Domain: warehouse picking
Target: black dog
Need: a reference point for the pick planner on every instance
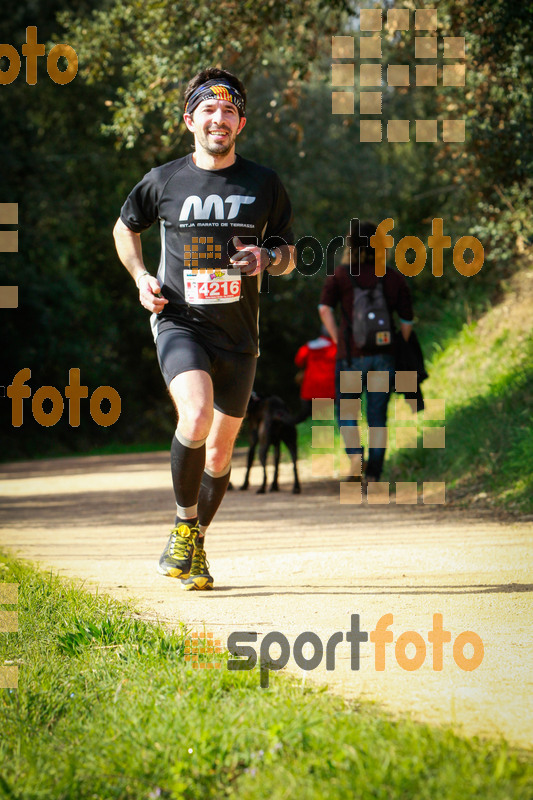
(270, 423)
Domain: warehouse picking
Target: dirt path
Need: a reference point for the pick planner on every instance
(303, 563)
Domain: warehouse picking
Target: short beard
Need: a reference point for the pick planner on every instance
(213, 149)
(217, 152)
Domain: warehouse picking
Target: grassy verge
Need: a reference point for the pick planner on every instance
(107, 707)
(483, 369)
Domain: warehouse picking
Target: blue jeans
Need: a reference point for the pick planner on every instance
(377, 402)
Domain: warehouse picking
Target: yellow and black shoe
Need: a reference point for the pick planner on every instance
(199, 577)
(177, 556)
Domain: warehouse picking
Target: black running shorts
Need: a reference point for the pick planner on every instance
(180, 350)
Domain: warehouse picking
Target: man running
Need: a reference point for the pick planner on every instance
(223, 221)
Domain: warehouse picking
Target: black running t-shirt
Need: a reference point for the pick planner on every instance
(200, 211)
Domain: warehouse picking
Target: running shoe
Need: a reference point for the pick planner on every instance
(199, 577)
(177, 556)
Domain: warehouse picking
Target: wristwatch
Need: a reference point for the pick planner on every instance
(273, 256)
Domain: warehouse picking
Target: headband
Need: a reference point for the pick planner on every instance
(219, 90)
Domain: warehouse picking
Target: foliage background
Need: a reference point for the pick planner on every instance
(70, 154)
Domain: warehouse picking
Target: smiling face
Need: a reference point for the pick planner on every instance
(215, 124)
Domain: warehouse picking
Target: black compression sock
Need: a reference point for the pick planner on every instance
(212, 491)
(187, 461)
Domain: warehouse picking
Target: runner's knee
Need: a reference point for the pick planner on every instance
(195, 423)
(218, 457)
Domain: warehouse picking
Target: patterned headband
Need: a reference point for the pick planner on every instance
(219, 90)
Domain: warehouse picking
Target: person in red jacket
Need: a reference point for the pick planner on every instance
(317, 360)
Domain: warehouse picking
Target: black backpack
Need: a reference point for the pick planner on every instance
(370, 326)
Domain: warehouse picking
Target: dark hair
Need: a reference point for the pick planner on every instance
(367, 229)
(213, 73)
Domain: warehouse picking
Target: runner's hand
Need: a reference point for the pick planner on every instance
(150, 294)
(250, 259)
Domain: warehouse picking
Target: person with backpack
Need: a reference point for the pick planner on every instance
(365, 344)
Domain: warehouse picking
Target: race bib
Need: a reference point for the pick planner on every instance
(203, 287)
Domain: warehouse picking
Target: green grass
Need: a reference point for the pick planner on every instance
(107, 707)
(483, 369)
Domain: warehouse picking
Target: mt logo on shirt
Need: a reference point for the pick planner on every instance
(202, 210)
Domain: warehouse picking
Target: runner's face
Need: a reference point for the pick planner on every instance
(215, 124)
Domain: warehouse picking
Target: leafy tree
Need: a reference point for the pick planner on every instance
(74, 309)
(155, 46)
(487, 181)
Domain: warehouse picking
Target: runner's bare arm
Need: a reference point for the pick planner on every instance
(129, 249)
